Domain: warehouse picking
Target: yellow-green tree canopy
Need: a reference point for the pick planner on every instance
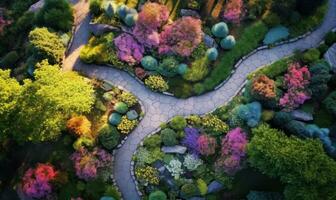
(44, 105)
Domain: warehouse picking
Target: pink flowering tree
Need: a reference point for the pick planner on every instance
(233, 151)
(233, 11)
(129, 50)
(296, 82)
(181, 37)
(36, 183)
(87, 164)
(151, 17)
(206, 145)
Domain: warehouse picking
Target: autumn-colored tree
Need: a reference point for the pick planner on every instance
(263, 87)
(79, 126)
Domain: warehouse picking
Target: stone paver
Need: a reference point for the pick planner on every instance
(160, 108)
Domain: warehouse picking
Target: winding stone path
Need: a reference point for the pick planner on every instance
(160, 108)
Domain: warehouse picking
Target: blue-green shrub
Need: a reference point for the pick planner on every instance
(149, 63)
(220, 30)
(168, 137)
(130, 19)
(157, 195)
(182, 69)
(132, 115)
(248, 114)
(212, 54)
(228, 43)
(122, 11)
(109, 9)
(276, 34)
(108, 137)
(121, 107)
(115, 119)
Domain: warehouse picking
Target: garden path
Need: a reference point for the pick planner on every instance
(160, 108)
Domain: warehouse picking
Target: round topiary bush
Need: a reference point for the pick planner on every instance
(168, 137)
(115, 119)
(131, 19)
(122, 11)
(149, 63)
(182, 69)
(178, 123)
(157, 195)
(220, 30)
(212, 54)
(108, 137)
(132, 115)
(228, 43)
(121, 107)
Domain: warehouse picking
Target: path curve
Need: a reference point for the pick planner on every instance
(160, 108)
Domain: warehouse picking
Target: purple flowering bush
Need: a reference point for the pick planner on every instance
(88, 163)
(129, 50)
(190, 140)
(233, 151)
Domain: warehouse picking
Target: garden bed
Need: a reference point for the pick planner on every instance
(197, 69)
(276, 129)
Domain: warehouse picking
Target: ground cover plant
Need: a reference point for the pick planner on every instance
(190, 47)
(280, 130)
(64, 148)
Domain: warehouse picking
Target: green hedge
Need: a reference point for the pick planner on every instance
(248, 41)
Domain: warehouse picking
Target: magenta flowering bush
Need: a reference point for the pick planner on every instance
(233, 11)
(296, 81)
(87, 164)
(36, 183)
(150, 19)
(233, 151)
(129, 50)
(206, 145)
(190, 140)
(181, 37)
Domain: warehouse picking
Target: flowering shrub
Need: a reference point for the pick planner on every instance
(190, 140)
(214, 125)
(233, 10)
(36, 182)
(263, 87)
(87, 164)
(191, 162)
(206, 145)
(181, 37)
(175, 168)
(151, 17)
(129, 50)
(126, 125)
(148, 175)
(157, 83)
(296, 81)
(233, 150)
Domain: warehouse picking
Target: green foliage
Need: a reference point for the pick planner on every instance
(320, 77)
(152, 142)
(202, 186)
(56, 14)
(149, 63)
(198, 70)
(311, 55)
(95, 7)
(188, 190)
(330, 38)
(9, 60)
(298, 163)
(220, 30)
(108, 136)
(46, 45)
(121, 107)
(199, 52)
(247, 42)
(228, 42)
(9, 94)
(156, 83)
(113, 192)
(330, 103)
(168, 137)
(85, 142)
(178, 123)
(128, 98)
(157, 195)
(44, 105)
(198, 88)
(144, 156)
(168, 67)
